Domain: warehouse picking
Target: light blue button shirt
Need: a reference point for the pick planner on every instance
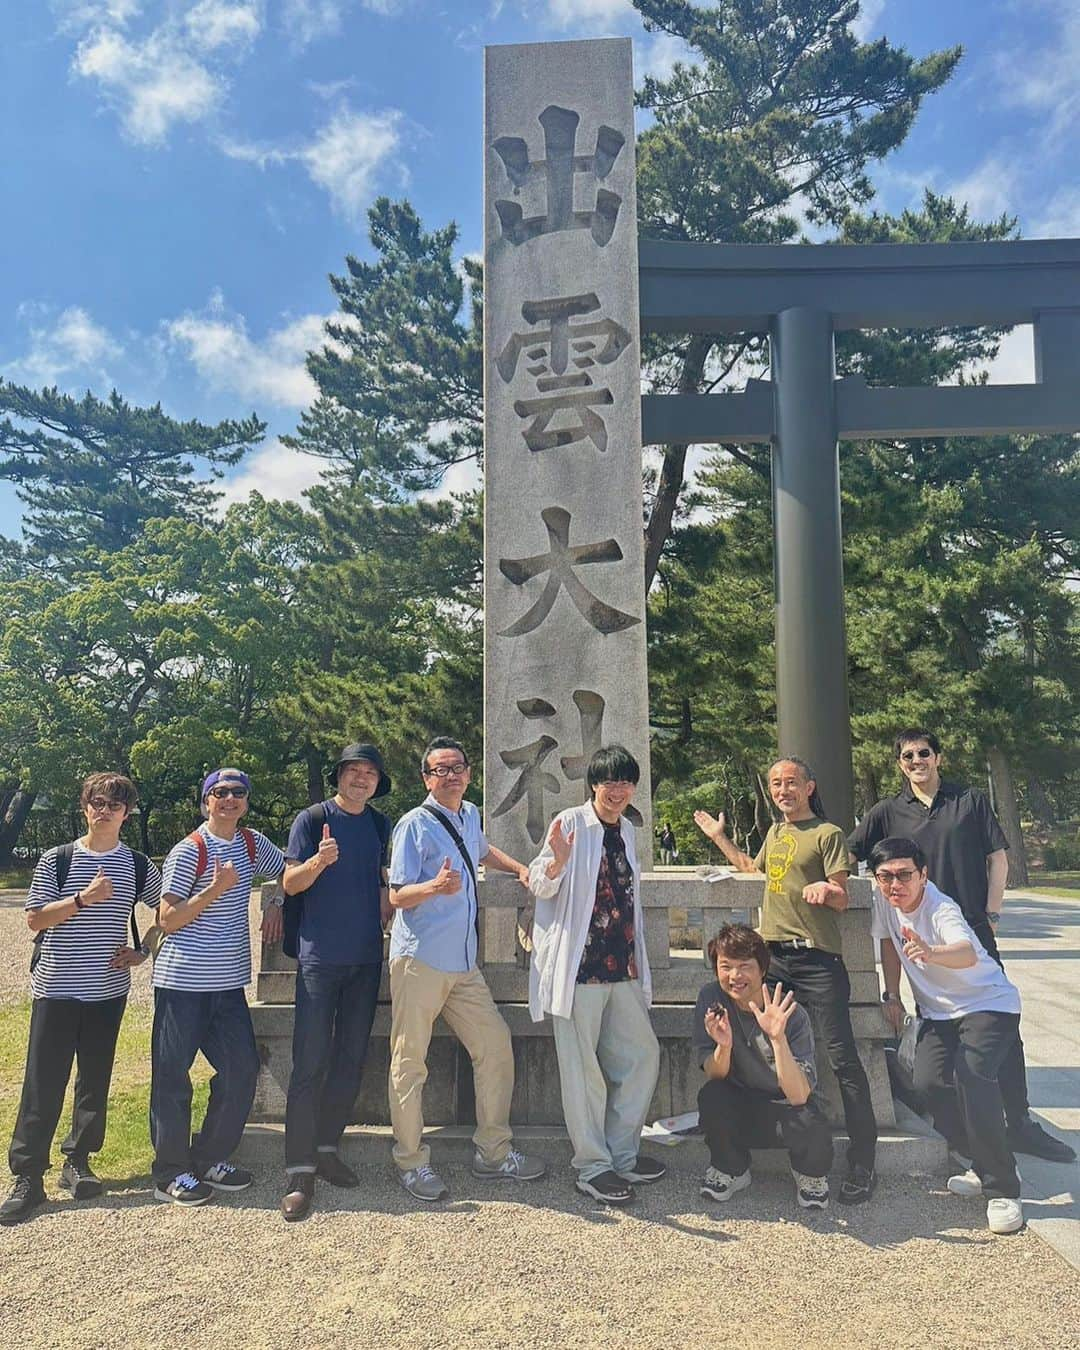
(440, 931)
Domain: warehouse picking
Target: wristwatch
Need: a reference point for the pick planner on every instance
(890, 998)
(992, 918)
(77, 897)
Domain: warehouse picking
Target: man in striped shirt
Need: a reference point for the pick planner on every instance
(199, 1003)
(79, 986)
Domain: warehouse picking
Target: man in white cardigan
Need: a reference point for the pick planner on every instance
(590, 971)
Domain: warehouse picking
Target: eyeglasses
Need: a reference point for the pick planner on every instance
(445, 770)
(105, 804)
(909, 755)
(617, 784)
(220, 792)
(903, 876)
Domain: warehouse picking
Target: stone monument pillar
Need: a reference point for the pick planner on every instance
(564, 593)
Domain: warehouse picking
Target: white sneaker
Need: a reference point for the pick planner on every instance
(717, 1185)
(970, 1183)
(1004, 1215)
(424, 1183)
(813, 1192)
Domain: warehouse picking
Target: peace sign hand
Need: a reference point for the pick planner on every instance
(775, 1011)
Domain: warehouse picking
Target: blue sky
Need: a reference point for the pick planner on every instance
(182, 175)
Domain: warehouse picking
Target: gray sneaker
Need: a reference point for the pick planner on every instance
(424, 1183)
(514, 1167)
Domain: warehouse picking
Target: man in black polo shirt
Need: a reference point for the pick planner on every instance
(965, 851)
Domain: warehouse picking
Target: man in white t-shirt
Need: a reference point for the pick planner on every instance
(971, 1016)
(199, 976)
(79, 908)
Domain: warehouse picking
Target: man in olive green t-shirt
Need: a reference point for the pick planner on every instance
(805, 862)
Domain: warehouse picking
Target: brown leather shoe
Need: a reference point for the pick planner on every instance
(296, 1204)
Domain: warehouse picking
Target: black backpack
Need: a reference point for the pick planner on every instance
(294, 904)
(64, 855)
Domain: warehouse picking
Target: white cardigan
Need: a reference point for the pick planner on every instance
(564, 908)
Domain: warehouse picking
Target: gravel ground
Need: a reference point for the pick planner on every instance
(534, 1266)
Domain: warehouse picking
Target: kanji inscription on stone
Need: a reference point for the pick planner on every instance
(559, 167)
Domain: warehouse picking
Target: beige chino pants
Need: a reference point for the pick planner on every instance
(420, 993)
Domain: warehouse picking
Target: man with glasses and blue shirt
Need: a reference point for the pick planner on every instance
(433, 952)
(200, 973)
(966, 857)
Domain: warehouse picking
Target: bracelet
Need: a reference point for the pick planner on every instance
(77, 897)
(992, 919)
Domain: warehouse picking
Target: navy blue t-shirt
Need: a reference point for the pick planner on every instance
(339, 922)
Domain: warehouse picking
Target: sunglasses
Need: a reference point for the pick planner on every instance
(105, 804)
(903, 876)
(909, 755)
(220, 792)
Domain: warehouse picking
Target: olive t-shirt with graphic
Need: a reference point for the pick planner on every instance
(794, 855)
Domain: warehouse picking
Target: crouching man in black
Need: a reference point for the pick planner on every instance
(756, 1046)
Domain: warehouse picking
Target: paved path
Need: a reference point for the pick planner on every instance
(1039, 940)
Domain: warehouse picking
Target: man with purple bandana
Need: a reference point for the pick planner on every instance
(200, 972)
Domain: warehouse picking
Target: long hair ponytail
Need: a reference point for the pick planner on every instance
(816, 804)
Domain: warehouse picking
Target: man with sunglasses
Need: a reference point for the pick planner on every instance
(79, 985)
(971, 1016)
(966, 857)
(433, 952)
(200, 973)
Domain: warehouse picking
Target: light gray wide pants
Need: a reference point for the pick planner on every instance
(609, 1060)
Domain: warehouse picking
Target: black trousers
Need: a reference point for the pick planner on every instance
(736, 1121)
(957, 1065)
(820, 983)
(1012, 1076)
(62, 1030)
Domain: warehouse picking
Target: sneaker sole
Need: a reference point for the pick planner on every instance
(585, 1189)
(1006, 1232)
(812, 1204)
(427, 1199)
(722, 1197)
(635, 1180)
(508, 1176)
(9, 1221)
(184, 1204)
(82, 1190)
(225, 1186)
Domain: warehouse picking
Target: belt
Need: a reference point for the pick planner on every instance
(799, 944)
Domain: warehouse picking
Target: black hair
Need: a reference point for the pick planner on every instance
(739, 942)
(910, 734)
(612, 764)
(442, 743)
(888, 850)
(816, 804)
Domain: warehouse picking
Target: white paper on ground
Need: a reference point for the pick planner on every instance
(671, 1129)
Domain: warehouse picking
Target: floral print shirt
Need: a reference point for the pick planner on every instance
(609, 948)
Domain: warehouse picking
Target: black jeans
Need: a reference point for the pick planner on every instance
(335, 1007)
(735, 1121)
(1012, 1076)
(957, 1064)
(820, 983)
(62, 1030)
(217, 1023)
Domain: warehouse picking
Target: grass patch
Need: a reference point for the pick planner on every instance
(15, 878)
(1059, 892)
(127, 1153)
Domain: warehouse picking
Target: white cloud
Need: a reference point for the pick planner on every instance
(70, 349)
(217, 23)
(306, 21)
(276, 472)
(588, 13)
(347, 153)
(79, 15)
(154, 82)
(991, 188)
(656, 55)
(1060, 217)
(229, 360)
(1042, 77)
(866, 24)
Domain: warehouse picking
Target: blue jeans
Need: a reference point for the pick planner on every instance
(217, 1023)
(335, 1007)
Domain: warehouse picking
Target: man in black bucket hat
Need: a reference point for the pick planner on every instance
(335, 881)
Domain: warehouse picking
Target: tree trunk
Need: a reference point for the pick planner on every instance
(15, 817)
(315, 787)
(1008, 813)
(1042, 808)
(869, 790)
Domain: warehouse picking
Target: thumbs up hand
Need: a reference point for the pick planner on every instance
(446, 880)
(223, 878)
(328, 848)
(101, 888)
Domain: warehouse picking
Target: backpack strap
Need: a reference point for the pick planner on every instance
(201, 858)
(64, 855)
(451, 829)
(383, 830)
(292, 909)
(248, 837)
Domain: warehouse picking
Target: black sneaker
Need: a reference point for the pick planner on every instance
(1030, 1137)
(644, 1169)
(331, 1168)
(186, 1189)
(26, 1195)
(79, 1180)
(858, 1186)
(607, 1187)
(226, 1176)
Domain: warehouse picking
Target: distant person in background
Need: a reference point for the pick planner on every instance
(966, 856)
(335, 878)
(200, 973)
(80, 907)
(805, 864)
(756, 1047)
(971, 1016)
(590, 972)
(668, 850)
